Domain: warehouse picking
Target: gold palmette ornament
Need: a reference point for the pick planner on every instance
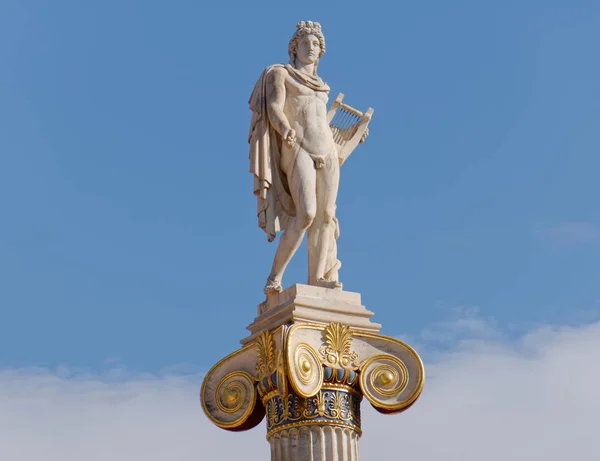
(337, 350)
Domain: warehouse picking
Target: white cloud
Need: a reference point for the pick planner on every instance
(488, 398)
(531, 399)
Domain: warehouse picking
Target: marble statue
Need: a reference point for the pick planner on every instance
(295, 157)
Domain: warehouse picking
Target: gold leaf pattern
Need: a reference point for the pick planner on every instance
(265, 349)
(338, 347)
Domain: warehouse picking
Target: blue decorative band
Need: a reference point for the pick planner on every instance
(340, 376)
(335, 406)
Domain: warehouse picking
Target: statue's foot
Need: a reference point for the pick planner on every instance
(333, 284)
(273, 286)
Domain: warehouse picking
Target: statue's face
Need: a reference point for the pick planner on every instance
(308, 49)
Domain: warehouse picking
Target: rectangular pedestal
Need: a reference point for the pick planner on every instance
(310, 304)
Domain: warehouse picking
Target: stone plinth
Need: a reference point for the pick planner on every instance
(312, 356)
(310, 304)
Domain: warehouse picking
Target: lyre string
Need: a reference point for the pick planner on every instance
(345, 120)
(342, 121)
(345, 124)
(340, 125)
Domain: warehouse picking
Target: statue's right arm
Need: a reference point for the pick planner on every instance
(276, 100)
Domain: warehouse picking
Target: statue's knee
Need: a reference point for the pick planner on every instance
(306, 218)
(329, 215)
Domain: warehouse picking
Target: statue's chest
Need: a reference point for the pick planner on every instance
(296, 89)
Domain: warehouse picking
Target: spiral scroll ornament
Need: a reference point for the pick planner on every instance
(231, 395)
(233, 400)
(305, 370)
(383, 380)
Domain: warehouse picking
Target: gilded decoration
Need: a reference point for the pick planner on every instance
(316, 376)
(337, 351)
(389, 379)
(232, 395)
(266, 363)
(340, 376)
(332, 406)
(235, 398)
(268, 385)
(281, 382)
(305, 370)
(383, 379)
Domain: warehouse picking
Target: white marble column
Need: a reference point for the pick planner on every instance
(315, 443)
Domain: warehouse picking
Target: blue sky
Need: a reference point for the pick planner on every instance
(128, 232)
(131, 260)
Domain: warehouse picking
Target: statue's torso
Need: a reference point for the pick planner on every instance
(306, 111)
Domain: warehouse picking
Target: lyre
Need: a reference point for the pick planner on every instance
(348, 125)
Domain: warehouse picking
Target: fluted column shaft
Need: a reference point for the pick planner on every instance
(315, 443)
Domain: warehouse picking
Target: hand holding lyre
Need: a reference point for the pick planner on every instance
(364, 136)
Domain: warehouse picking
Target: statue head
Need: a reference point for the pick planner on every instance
(307, 44)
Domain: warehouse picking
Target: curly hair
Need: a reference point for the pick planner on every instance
(304, 28)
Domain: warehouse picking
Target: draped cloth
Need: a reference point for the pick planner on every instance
(275, 206)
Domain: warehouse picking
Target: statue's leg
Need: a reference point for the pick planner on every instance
(321, 234)
(302, 183)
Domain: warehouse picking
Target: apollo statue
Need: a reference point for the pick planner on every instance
(296, 149)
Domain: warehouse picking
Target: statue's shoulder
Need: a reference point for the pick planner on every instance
(276, 68)
(272, 75)
(275, 71)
